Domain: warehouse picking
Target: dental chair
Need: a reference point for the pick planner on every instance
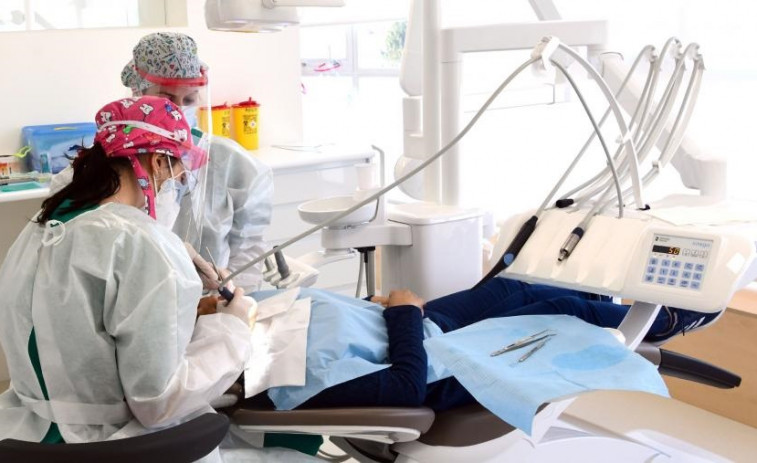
(612, 260)
(471, 433)
(186, 442)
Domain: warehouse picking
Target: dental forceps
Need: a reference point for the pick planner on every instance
(222, 290)
(523, 342)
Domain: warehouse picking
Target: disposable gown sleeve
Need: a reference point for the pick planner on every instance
(169, 368)
(251, 194)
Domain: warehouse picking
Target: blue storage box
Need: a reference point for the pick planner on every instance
(53, 145)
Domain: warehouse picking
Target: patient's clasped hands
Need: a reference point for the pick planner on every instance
(400, 297)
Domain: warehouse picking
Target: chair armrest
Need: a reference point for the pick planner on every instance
(186, 442)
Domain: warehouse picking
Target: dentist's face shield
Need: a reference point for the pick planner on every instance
(151, 125)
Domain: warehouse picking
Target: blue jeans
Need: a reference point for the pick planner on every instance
(404, 382)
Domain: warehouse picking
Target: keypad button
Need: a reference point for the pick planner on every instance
(698, 277)
(674, 273)
(676, 264)
(672, 281)
(651, 269)
(699, 268)
(653, 261)
(660, 280)
(688, 266)
(666, 263)
(695, 285)
(664, 271)
(686, 275)
(684, 284)
(648, 278)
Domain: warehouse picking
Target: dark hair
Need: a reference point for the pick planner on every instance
(96, 177)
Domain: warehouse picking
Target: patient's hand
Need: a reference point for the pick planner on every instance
(400, 297)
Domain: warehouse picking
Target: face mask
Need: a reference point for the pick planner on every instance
(190, 115)
(167, 203)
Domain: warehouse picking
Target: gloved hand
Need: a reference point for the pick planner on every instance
(229, 284)
(243, 307)
(204, 268)
(206, 272)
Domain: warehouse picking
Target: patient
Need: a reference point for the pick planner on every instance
(404, 382)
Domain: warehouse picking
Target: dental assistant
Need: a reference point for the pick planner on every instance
(239, 187)
(99, 316)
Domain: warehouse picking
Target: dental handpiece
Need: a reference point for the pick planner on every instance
(225, 293)
(282, 265)
(570, 243)
(222, 290)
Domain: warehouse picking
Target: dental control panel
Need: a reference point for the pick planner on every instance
(677, 261)
(640, 258)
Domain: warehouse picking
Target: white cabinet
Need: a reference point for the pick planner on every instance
(301, 176)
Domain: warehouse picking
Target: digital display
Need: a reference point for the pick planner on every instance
(673, 251)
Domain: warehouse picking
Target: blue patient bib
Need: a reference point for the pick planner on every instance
(580, 357)
(347, 339)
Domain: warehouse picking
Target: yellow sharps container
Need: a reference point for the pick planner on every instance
(244, 117)
(220, 120)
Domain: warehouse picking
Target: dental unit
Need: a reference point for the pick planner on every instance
(604, 235)
(613, 254)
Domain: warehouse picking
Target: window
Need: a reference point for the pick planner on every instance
(514, 155)
(34, 15)
(350, 82)
(723, 118)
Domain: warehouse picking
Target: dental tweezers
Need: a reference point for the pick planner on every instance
(523, 342)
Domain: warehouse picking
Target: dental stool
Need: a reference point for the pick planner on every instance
(186, 442)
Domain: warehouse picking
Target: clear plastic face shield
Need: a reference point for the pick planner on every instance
(191, 95)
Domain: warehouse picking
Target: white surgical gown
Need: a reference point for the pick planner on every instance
(238, 209)
(112, 298)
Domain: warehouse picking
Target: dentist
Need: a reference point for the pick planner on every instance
(99, 318)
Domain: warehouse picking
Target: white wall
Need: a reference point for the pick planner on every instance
(66, 76)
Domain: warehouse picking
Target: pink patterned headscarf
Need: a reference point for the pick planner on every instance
(148, 124)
